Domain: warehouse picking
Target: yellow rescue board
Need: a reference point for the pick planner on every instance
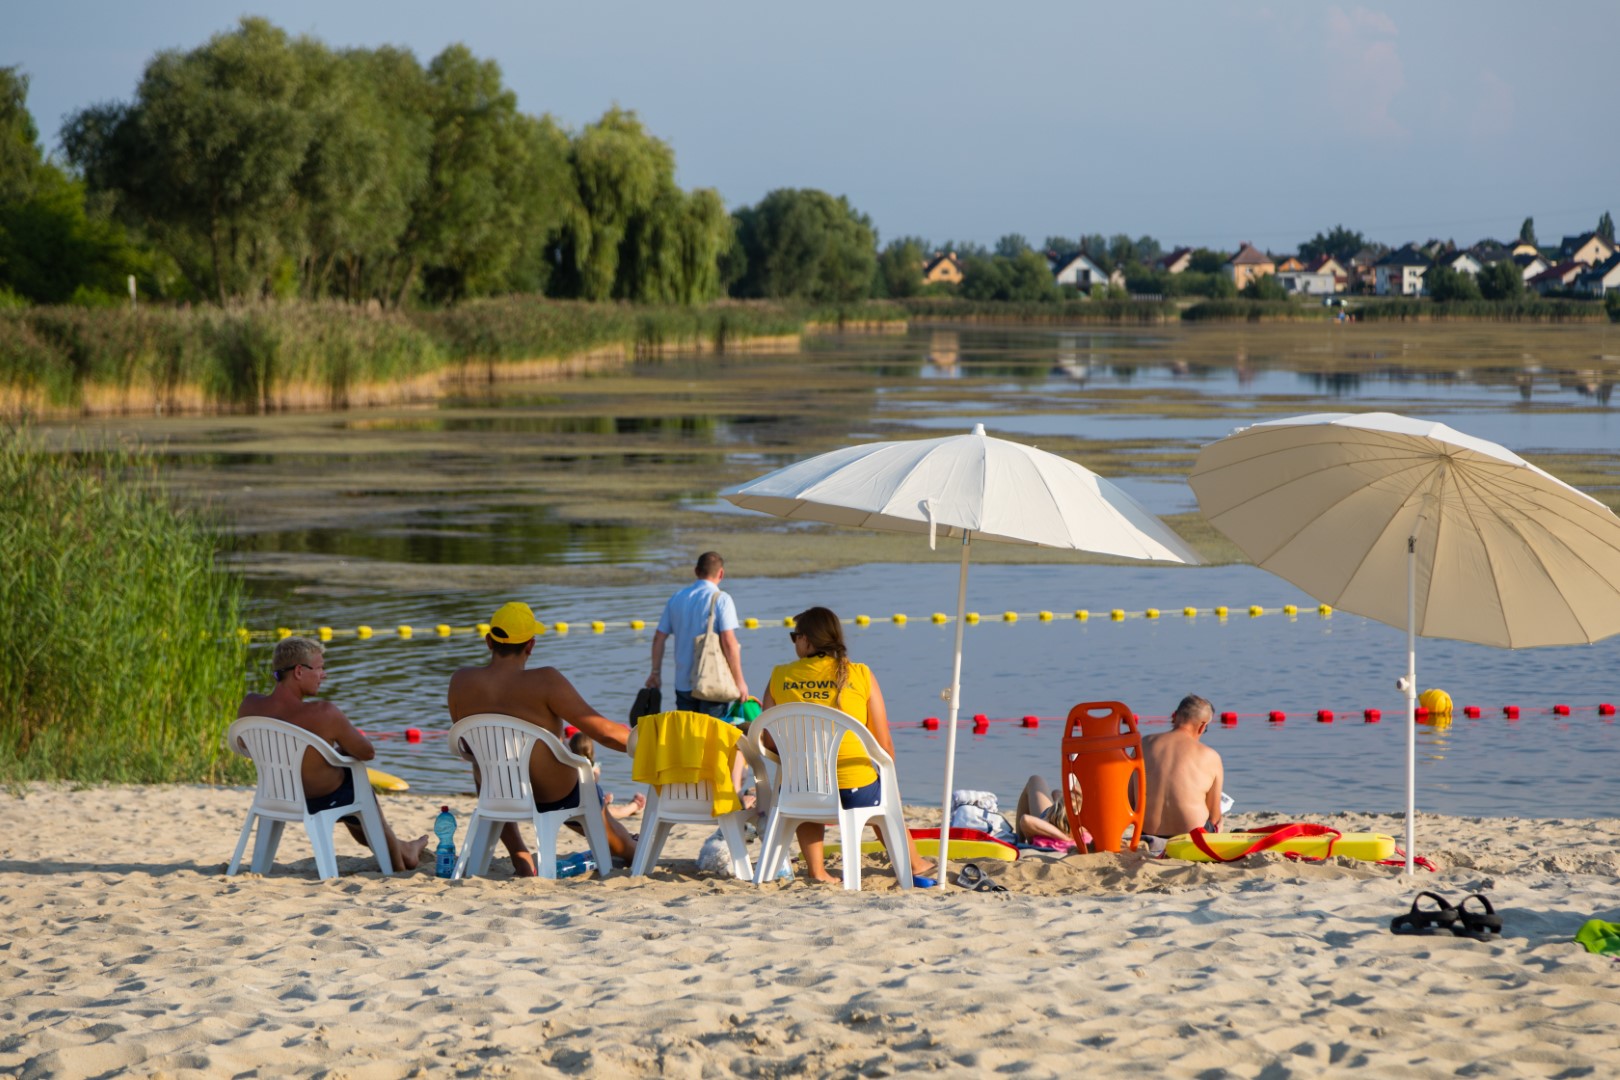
(1373, 847)
(381, 781)
(929, 847)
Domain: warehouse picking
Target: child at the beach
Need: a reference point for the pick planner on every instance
(583, 745)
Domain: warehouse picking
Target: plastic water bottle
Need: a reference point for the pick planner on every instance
(444, 826)
(580, 862)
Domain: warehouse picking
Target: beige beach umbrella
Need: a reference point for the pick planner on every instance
(974, 487)
(1419, 526)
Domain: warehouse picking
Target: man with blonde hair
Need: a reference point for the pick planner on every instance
(543, 697)
(299, 666)
(1184, 777)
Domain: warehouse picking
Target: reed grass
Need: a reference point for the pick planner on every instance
(112, 666)
(1061, 311)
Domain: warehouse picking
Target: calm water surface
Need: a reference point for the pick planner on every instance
(416, 488)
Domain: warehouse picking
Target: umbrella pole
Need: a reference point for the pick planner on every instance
(1411, 700)
(950, 724)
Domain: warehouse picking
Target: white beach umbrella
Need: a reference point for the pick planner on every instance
(970, 486)
(1365, 511)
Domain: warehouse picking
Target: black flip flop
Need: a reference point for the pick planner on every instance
(1418, 921)
(1480, 925)
(973, 879)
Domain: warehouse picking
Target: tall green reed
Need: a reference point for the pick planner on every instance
(112, 664)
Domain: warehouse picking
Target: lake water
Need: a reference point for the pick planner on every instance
(588, 498)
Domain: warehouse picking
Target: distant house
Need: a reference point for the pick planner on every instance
(1327, 264)
(1248, 264)
(1400, 273)
(1588, 248)
(942, 267)
(1530, 265)
(1079, 271)
(1176, 262)
(1557, 278)
(1289, 263)
(1601, 279)
(1307, 283)
(1522, 247)
(1363, 265)
(1489, 251)
(1464, 262)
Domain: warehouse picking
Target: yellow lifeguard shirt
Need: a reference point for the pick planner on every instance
(815, 679)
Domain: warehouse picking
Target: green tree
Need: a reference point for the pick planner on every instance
(1501, 281)
(1264, 287)
(1605, 227)
(1205, 261)
(1527, 231)
(1011, 246)
(1023, 278)
(20, 158)
(1443, 284)
(805, 244)
(900, 265)
(1339, 242)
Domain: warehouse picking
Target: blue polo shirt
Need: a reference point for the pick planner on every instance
(685, 617)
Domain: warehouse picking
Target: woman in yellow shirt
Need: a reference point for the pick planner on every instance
(824, 675)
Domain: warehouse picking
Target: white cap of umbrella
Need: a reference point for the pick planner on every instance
(970, 486)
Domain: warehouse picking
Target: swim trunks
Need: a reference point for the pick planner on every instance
(568, 801)
(342, 796)
(857, 798)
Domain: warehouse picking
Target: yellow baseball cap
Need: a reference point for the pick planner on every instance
(513, 624)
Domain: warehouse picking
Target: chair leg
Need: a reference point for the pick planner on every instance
(653, 834)
(771, 847)
(545, 844)
(596, 833)
(731, 828)
(241, 845)
(894, 822)
(265, 844)
(320, 829)
(850, 831)
(481, 844)
(371, 824)
(468, 842)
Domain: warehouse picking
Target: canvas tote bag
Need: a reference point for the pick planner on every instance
(711, 675)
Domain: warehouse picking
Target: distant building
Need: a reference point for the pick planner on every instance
(1289, 263)
(1248, 264)
(942, 267)
(1522, 247)
(1530, 265)
(1363, 268)
(1489, 251)
(1601, 279)
(1588, 248)
(1176, 262)
(1306, 283)
(1327, 264)
(1400, 273)
(1080, 271)
(1464, 262)
(1558, 278)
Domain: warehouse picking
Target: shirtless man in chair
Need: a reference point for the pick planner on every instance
(545, 698)
(1184, 776)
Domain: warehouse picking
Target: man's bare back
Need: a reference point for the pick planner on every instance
(537, 695)
(1184, 777)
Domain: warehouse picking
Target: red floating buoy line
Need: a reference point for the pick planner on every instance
(980, 722)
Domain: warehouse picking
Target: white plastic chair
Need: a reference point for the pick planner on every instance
(501, 745)
(669, 805)
(277, 751)
(807, 738)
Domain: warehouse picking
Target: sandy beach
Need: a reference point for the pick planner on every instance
(123, 947)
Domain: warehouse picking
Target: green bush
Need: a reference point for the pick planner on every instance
(113, 666)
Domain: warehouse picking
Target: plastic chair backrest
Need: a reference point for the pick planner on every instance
(1102, 755)
(502, 745)
(276, 749)
(807, 738)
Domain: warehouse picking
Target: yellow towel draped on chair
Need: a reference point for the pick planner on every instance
(687, 748)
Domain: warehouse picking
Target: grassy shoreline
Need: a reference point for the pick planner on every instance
(61, 362)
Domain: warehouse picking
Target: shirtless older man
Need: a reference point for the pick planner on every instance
(543, 697)
(299, 667)
(1183, 775)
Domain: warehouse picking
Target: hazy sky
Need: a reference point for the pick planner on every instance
(1204, 123)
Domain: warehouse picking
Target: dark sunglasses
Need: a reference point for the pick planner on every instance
(795, 635)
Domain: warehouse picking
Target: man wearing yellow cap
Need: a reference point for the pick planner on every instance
(545, 698)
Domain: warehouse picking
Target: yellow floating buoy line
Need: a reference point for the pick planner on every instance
(406, 631)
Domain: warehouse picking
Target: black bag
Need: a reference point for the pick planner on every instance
(649, 700)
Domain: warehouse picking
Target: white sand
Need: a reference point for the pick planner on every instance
(124, 947)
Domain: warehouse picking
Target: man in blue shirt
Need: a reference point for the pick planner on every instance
(685, 617)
